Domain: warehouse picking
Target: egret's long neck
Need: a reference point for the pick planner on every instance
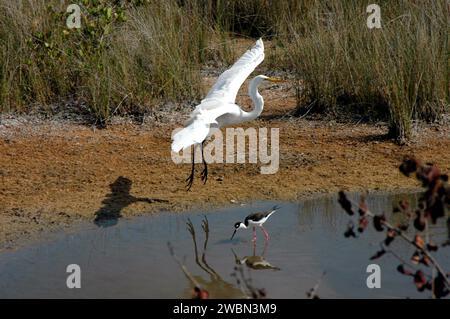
(257, 99)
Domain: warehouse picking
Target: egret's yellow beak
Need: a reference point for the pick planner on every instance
(275, 79)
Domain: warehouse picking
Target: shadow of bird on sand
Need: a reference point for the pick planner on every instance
(116, 200)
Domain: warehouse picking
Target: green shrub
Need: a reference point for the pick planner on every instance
(123, 58)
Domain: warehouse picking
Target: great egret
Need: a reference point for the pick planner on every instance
(218, 108)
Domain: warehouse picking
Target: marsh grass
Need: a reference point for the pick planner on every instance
(401, 69)
(130, 55)
(122, 59)
(399, 72)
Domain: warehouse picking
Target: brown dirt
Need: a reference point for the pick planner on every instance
(55, 174)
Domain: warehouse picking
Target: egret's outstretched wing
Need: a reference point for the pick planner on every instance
(219, 100)
(229, 82)
(198, 128)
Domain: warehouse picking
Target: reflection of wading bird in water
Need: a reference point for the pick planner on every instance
(255, 262)
(218, 108)
(256, 219)
(215, 287)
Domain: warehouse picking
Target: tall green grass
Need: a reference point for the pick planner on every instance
(403, 65)
(129, 55)
(124, 57)
(401, 69)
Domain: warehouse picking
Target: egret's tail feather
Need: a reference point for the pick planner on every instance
(192, 134)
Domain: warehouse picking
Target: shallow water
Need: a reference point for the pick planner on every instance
(132, 259)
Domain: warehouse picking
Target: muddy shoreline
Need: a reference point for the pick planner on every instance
(57, 170)
(56, 174)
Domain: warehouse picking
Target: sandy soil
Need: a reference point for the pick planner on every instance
(54, 174)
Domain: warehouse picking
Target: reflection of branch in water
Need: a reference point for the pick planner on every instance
(118, 199)
(199, 292)
(255, 262)
(312, 293)
(248, 287)
(215, 286)
(182, 266)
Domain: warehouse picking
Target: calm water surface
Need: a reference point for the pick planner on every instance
(132, 259)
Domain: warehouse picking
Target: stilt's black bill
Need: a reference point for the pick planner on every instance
(233, 234)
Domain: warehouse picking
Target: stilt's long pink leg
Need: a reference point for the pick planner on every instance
(254, 234)
(266, 234)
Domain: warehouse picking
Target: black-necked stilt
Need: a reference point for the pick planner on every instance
(255, 219)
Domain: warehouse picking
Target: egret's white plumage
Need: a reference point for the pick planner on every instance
(218, 108)
(229, 82)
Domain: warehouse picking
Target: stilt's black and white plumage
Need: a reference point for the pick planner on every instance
(255, 219)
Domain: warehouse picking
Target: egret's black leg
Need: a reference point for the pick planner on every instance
(190, 179)
(204, 174)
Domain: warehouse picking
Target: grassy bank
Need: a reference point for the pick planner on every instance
(131, 55)
(125, 57)
(401, 69)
